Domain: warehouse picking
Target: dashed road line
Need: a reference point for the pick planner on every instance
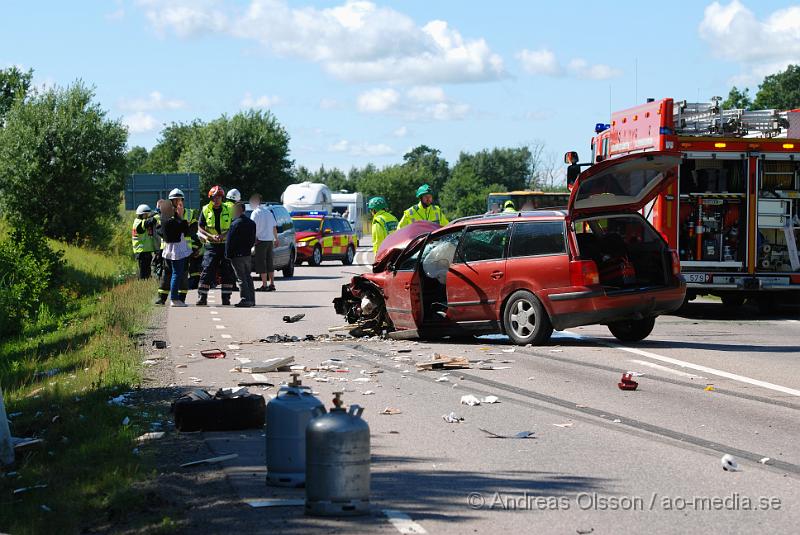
(668, 370)
(220, 326)
(689, 365)
(226, 336)
(216, 319)
(403, 522)
(213, 312)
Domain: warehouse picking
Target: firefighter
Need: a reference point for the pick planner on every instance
(508, 207)
(144, 242)
(425, 210)
(213, 224)
(383, 223)
(233, 197)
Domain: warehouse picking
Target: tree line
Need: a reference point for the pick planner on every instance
(779, 91)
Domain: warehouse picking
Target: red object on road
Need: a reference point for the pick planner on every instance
(627, 382)
(213, 353)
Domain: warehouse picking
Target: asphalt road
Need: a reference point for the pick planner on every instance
(713, 381)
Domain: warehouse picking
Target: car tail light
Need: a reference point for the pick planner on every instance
(676, 262)
(583, 273)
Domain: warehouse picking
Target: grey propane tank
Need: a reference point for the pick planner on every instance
(337, 462)
(287, 417)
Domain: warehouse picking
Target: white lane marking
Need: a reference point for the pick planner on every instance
(793, 321)
(226, 335)
(213, 312)
(689, 365)
(260, 378)
(216, 319)
(665, 369)
(403, 522)
(220, 326)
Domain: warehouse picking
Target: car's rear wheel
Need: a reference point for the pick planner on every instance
(349, 256)
(525, 320)
(288, 271)
(316, 256)
(632, 330)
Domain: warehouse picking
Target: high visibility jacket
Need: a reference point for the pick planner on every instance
(383, 224)
(225, 218)
(191, 216)
(420, 213)
(510, 210)
(142, 238)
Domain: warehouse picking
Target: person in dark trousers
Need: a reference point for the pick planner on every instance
(213, 225)
(176, 250)
(238, 244)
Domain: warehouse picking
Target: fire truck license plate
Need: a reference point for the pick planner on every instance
(695, 277)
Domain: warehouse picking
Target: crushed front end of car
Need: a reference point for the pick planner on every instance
(362, 304)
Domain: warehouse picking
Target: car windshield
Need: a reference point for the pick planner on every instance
(307, 225)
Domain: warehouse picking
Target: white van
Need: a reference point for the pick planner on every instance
(351, 206)
(307, 196)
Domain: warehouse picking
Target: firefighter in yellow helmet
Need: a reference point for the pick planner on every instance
(425, 210)
(383, 223)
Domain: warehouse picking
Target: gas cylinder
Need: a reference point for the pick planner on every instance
(337, 462)
(287, 417)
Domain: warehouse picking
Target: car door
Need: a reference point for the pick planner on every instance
(477, 274)
(402, 289)
(279, 252)
(327, 238)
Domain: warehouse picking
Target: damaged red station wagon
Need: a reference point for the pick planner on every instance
(527, 273)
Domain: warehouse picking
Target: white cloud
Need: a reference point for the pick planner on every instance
(264, 101)
(544, 62)
(400, 132)
(418, 103)
(377, 100)
(361, 149)
(140, 122)
(355, 41)
(761, 46)
(153, 102)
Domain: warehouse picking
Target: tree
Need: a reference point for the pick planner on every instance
(424, 165)
(136, 160)
(62, 162)
(249, 151)
(175, 138)
(392, 183)
(466, 193)
(14, 85)
(737, 99)
(780, 90)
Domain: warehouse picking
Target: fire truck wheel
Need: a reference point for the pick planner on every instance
(632, 330)
(732, 301)
(525, 320)
(316, 256)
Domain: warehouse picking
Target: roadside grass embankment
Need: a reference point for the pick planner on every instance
(57, 379)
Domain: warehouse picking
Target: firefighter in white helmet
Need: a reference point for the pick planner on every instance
(143, 240)
(233, 197)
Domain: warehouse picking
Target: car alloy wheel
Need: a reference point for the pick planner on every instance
(316, 256)
(349, 256)
(525, 319)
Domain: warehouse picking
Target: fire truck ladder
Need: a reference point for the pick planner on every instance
(709, 119)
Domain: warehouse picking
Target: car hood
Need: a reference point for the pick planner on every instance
(623, 184)
(397, 241)
(300, 235)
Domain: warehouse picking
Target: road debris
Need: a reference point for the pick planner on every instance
(159, 344)
(470, 400)
(764, 460)
(627, 382)
(509, 350)
(269, 365)
(126, 421)
(443, 362)
(709, 388)
(276, 502)
(181, 366)
(390, 411)
(147, 437)
(149, 362)
(254, 383)
(444, 378)
(27, 489)
(213, 353)
(729, 463)
(490, 399)
(452, 418)
(293, 319)
(122, 399)
(24, 443)
(367, 393)
(211, 460)
(521, 434)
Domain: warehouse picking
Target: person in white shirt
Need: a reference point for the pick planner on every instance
(266, 240)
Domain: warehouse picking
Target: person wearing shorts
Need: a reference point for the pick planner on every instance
(266, 240)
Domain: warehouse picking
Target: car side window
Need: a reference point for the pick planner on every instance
(538, 238)
(483, 244)
(327, 225)
(346, 228)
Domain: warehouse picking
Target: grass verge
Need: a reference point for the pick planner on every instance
(57, 379)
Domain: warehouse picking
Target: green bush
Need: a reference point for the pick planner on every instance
(31, 276)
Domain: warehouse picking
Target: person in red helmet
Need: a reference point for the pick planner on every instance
(213, 224)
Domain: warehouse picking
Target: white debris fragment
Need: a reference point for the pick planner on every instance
(122, 399)
(367, 393)
(452, 418)
(729, 463)
(149, 362)
(470, 400)
(442, 379)
(569, 424)
(361, 380)
(764, 460)
(509, 350)
(490, 399)
(155, 435)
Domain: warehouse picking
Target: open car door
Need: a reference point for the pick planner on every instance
(623, 184)
(402, 290)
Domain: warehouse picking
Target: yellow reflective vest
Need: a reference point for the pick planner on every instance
(142, 238)
(225, 218)
(420, 213)
(383, 224)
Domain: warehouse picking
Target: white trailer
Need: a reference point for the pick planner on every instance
(351, 206)
(307, 196)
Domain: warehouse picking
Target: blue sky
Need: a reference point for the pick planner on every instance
(355, 82)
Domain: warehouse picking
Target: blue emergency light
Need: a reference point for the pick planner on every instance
(311, 212)
(600, 127)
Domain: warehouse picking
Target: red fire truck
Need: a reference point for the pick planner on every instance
(733, 214)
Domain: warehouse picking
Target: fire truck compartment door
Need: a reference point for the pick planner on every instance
(623, 184)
